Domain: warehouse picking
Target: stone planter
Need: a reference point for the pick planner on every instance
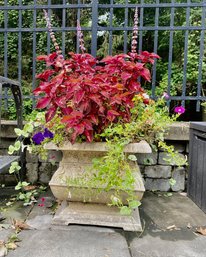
(80, 208)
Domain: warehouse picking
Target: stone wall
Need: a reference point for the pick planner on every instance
(158, 174)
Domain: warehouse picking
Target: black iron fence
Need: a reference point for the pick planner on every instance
(173, 29)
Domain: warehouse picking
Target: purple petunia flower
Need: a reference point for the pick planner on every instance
(48, 133)
(38, 138)
(179, 109)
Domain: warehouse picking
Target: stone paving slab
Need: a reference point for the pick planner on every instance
(70, 243)
(167, 246)
(176, 210)
(158, 213)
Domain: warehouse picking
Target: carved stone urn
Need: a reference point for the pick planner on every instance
(79, 208)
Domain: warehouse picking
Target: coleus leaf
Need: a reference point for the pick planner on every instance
(50, 113)
(45, 75)
(89, 135)
(145, 73)
(43, 102)
(112, 114)
(78, 96)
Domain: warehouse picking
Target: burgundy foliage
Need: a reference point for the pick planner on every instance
(89, 94)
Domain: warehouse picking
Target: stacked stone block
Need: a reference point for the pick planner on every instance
(159, 174)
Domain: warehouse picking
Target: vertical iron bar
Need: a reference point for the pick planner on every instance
(155, 49)
(20, 44)
(141, 20)
(5, 54)
(95, 4)
(110, 25)
(125, 25)
(34, 52)
(199, 84)
(78, 18)
(185, 55)
(170, 49)
(63, 27)
(48, 34)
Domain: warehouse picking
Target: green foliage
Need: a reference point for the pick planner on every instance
(27, 196)
(173, 156)
(148, 122)
(113, 171)
(193, 55)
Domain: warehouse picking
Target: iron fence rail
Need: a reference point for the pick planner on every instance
(95, 6)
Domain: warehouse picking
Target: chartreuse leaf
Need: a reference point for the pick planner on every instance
(11, 149)
(134, 204)
(21, 184)
(132, 157)
(17, 145)
(18, 186)
(28, 128)
(18, 131)
(24, 184)
(14, 167)
(125, 210)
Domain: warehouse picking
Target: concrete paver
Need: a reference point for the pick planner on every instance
(70, 243)
(157, 213)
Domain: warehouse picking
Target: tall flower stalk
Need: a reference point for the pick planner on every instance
(49, 26)
(135, 32)
(80, 37)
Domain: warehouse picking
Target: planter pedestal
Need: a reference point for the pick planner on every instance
(79, 208)
(97, 215)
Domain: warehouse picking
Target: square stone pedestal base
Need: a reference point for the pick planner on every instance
(97, 215)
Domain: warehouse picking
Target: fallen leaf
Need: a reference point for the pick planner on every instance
(11, 246)
(189, 226)
(20, 225)
(183, 194)
(201, 231)
(28, 188)
(173, 227)
(9, 203)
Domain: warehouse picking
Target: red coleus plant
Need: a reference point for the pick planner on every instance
(89, 94)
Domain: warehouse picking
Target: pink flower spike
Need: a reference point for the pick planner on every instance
(165, 95)
(42, 199)
(80, 37)
(49, 26)
(179, 109)
(135, 32)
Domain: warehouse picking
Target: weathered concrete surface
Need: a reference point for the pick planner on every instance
(71, 243)
(166, 211)
(158, 212)
(178, 131)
